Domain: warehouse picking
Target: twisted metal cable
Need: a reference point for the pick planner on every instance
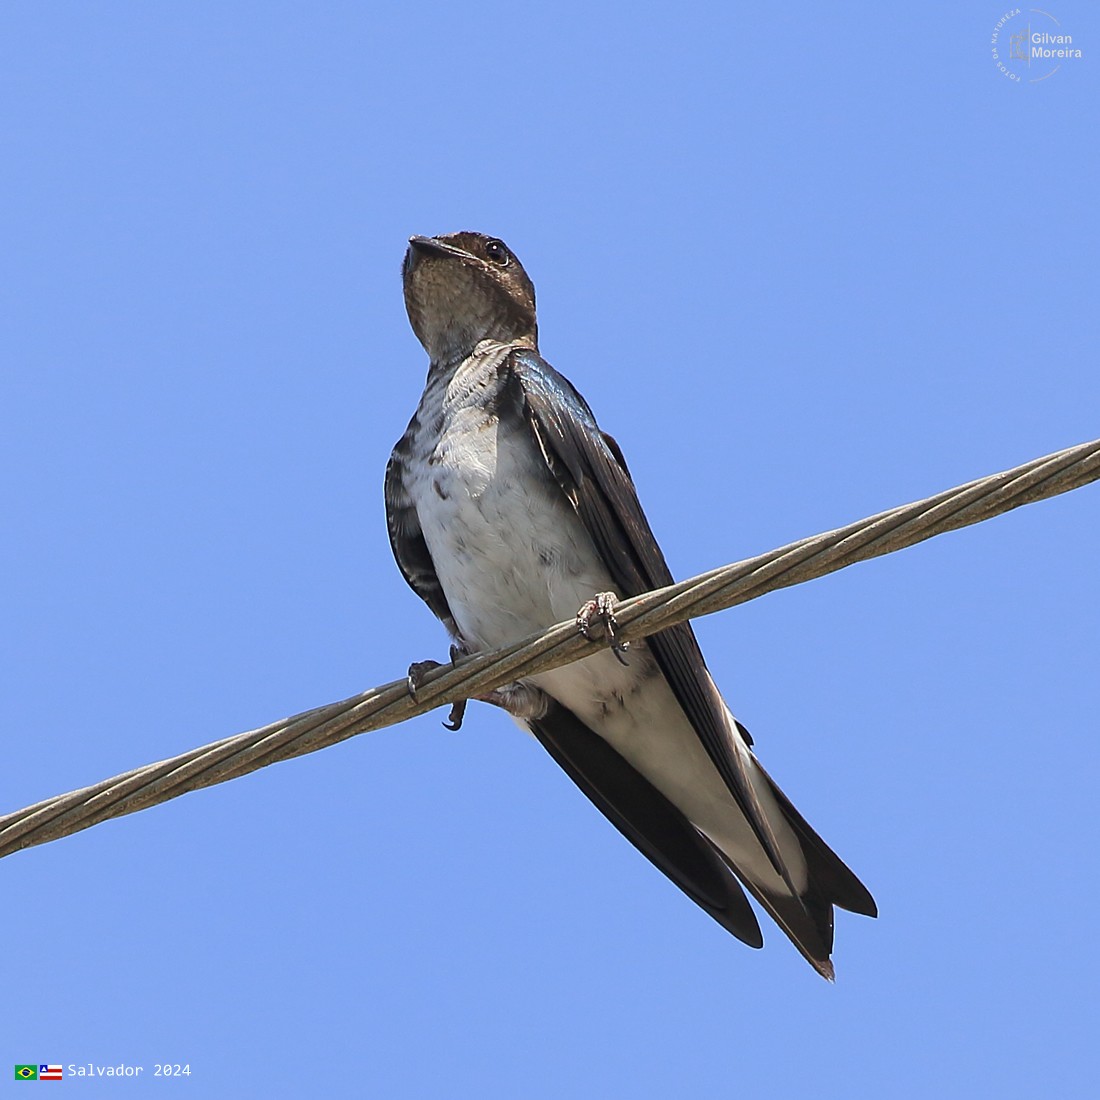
(476, 676)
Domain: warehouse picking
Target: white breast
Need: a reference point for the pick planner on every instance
(509, 551)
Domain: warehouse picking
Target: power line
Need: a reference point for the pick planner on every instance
(476, 676)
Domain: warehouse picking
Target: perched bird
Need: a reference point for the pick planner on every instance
(508, 510)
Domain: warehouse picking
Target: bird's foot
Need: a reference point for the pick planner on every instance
(601, 610)
(519, 700)
(417, 671)
(415, 678)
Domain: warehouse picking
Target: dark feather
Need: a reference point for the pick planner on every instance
(830, 876)
(648, 820)
(407, 540)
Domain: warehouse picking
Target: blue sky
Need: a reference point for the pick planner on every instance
(806, 263)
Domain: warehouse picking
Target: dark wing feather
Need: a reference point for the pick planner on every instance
(832, 878)
(589, 468)
(407, 540)
(648, 820)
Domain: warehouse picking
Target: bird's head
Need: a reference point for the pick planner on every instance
(463, 288)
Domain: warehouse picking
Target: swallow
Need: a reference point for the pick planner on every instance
(508, 509)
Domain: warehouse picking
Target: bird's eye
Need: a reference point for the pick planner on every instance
(496, 252)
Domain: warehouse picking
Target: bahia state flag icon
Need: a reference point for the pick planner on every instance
(26, 1073)
(49, 1073)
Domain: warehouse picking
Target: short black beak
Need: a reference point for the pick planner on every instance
(434, 246)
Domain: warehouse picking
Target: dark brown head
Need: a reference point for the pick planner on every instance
(463, 288)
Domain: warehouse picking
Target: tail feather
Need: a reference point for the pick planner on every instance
(696, 862)
(807, 916)
(807, 920)
(830, 877)
(648, 820)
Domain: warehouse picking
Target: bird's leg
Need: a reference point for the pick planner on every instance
(601, 610)
(519, 700)
(419, 669)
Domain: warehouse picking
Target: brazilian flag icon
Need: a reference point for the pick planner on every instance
(26, 1073)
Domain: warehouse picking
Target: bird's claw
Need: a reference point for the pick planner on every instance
(454, 719)
(601, 609)
(417, 671)
(415, 678)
